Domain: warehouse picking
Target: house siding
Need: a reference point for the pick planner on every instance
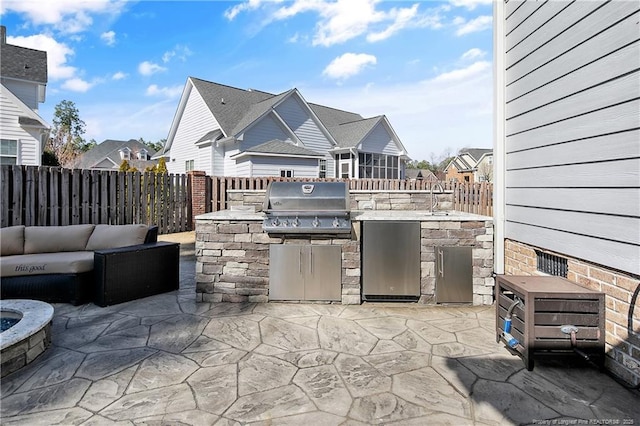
(263, 131)
(570, 90)
(196, 121)
(298, 118)
(271, 166)
(568, 162)
(379, 141)
(29, 150)
(25, 91)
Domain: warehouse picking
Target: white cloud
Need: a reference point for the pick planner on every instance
(57, 54)
(167, 92)
(69, 16)
(231, 13)
(474, 53)
(449, 111)
(119, 76)
(77, 85)
(470, 4)
(180, 52)
(348, 65)
(480, 23)
(343, 20)
(149, 68)
(464, 73)
(109, 38)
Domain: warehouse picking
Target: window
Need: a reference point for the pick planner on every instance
(378, 166)
(8, 151)
(189, 165)
(323, 168)
(286, 173)
(125, 153)
(551, 264)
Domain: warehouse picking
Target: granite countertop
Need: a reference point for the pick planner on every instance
(361, 215)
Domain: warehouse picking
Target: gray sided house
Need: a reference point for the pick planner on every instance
(567, 153)
(109, 155)
(226, 131)
(23, 82)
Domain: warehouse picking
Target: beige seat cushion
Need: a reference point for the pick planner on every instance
(71, 262)
(112, 236)
(12, 240)
(53, 239)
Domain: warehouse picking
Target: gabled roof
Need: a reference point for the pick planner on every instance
(476, 153)
(235, 110)
(228, 104)
(29, 117)
(280, 148)
(22, 63)
(349, 135)
(110, 149)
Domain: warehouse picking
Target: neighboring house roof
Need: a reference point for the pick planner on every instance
(424, 174)
(279, 148)
(464, 164)
(107, 155)
(235, 110)
(20, 62)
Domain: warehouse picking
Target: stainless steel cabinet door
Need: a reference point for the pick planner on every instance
(454, 275)
(324, 278)
(305, 272)
(286, 272)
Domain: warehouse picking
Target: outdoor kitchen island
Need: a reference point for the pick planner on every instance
(233, 253)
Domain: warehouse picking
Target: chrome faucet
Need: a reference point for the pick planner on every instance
(434, 201)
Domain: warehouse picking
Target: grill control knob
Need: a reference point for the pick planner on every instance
(295, 222)
(275, 222)
(315, 223)
(336, 222)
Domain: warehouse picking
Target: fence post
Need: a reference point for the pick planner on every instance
(198, 194)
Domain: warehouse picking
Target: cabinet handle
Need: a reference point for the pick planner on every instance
(310, 261)
(300, 262)
(441, 256)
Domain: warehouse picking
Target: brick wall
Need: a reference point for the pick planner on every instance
(198, 194)
(622, 304)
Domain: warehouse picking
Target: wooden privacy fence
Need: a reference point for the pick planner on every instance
(467, 197)
(53, 196)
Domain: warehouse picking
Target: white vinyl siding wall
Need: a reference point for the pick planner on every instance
(271, 166)
(196, 121)
(572, 156)
(29, 145)
(298, 118)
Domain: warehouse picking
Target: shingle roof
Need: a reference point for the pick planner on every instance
(349, 135)
(28, 121)
(228, 104)
(109, 149)
(21, 62)
(276, 146)
(476, 153)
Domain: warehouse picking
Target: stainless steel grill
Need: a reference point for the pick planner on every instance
(307, 207)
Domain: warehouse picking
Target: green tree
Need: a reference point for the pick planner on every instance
(65, 141)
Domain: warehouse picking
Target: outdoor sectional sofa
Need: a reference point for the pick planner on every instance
(106, 264)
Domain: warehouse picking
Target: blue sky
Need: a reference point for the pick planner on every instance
(426, 65)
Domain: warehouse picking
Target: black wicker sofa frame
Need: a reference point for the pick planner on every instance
(119, 274)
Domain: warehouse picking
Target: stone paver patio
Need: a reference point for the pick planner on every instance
(167, 360)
